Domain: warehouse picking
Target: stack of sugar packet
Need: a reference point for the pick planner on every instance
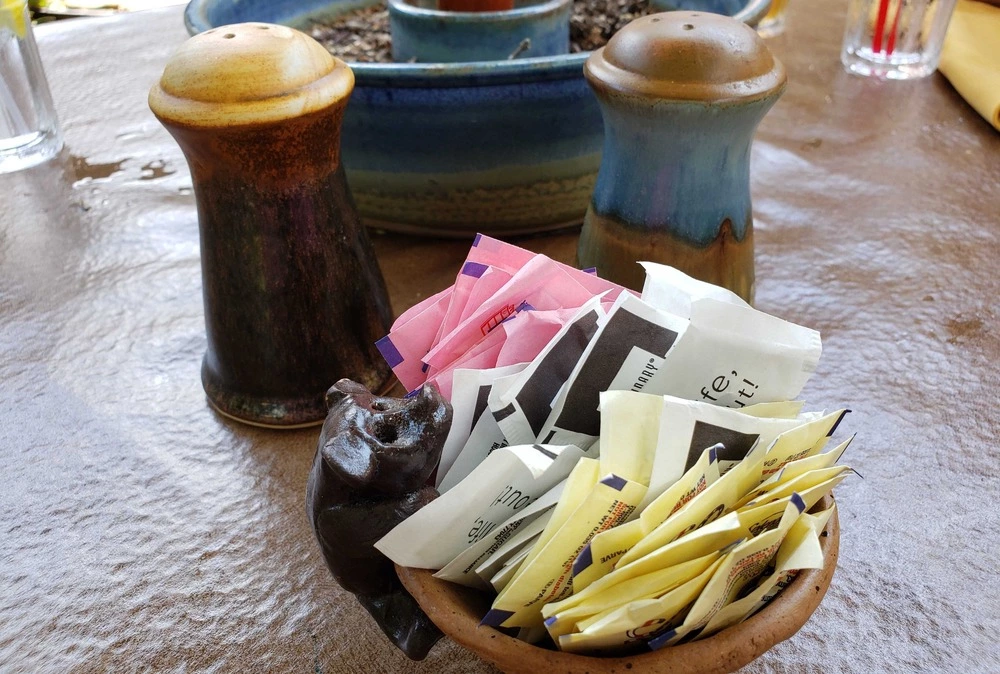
(624, 472)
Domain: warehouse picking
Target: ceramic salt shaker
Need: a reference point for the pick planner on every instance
(294, 298)
(681, 94)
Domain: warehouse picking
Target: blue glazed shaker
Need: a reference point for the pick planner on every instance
(681, 94)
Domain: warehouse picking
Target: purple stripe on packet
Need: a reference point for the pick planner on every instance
(615, 482)
(496, 617)
(389, 351)
(474, 269)
(798, 502)
(583, 560)
(661, 641)
(590, 270)
(475, 242)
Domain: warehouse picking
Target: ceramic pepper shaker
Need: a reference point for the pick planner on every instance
(294, 298)
(681, 94)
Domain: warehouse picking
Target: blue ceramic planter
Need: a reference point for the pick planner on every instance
(451, 149)
(424, 35)
(682, 94)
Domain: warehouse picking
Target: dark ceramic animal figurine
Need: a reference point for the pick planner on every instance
(372, 465)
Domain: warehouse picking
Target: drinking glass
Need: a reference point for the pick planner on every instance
(29, 130)
(895, 39)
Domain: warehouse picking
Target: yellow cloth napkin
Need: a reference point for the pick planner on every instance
(970, 58)
(12, 16)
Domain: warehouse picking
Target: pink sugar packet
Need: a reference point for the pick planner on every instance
(496, 281)
(475, 284)
(409, 340)
(517, 340)
(482, 356)
(542, 284)
(420, 307)
(488, 266)
(530, 333)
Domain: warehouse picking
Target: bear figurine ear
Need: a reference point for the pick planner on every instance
(352, 460)
(342, 389)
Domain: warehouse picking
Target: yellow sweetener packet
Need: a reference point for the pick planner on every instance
(818, 522)
(12, 16)
(630, 424)
(711, 538)
(547, 575)
(816, 483)
(697, 479)
(797, 468)
(647, 586)
(737, 569)
(601, 554)
(706, 507)
(788, 409)
(581, 479)
(800, 442)
(800, 550)
(627, 627)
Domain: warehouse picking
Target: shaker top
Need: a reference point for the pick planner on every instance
(248, 73)
(694, 56)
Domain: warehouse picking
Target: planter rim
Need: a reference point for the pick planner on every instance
(500, 16)
(470, 74)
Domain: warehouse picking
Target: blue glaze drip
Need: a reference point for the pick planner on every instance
(678, 166)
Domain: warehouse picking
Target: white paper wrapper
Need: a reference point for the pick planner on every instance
(462, 569)
(471, 392)
(509, 480)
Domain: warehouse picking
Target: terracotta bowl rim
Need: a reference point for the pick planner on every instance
(725, 651)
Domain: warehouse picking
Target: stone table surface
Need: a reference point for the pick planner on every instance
(140, 531)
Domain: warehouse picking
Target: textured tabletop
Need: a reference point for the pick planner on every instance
(140, 531)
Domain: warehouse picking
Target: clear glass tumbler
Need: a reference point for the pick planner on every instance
(895, 39)
(773, 22)
(29, 130)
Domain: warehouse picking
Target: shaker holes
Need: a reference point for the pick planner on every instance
(229, 36)
(688, 26)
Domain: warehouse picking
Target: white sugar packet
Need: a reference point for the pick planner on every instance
(672, 290)
(727, 355)
(524, 406)
(734, 356)
(509, 480)
(485, 436)
(462, 569)
(624, 355)
(470, 399)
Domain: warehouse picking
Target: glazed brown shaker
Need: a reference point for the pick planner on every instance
(294, 299)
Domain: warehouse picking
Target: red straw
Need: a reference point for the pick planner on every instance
(895, 26)
(883, 10)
